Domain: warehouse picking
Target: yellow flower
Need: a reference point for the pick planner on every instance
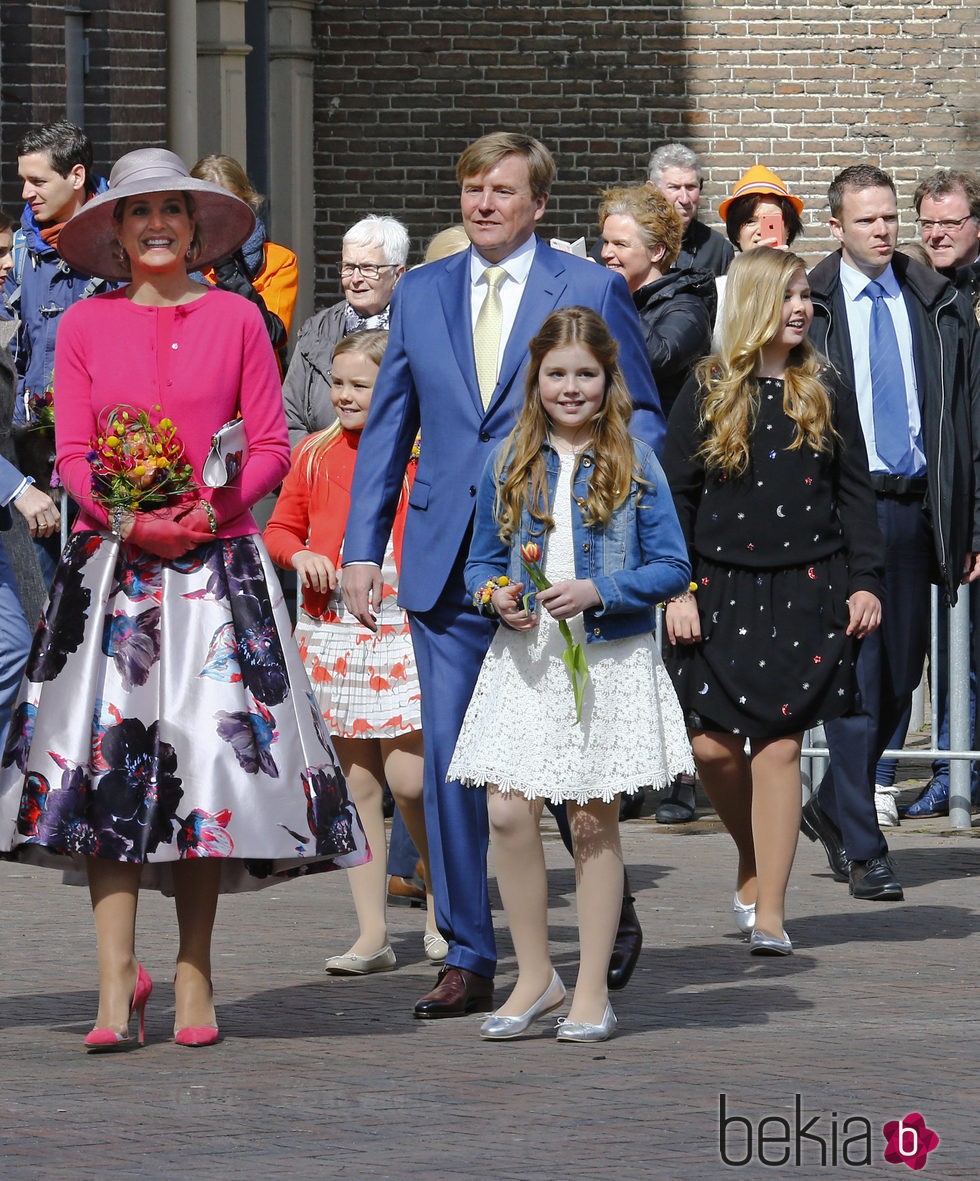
(531, 552)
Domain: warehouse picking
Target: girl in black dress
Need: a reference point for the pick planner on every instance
(769, 472)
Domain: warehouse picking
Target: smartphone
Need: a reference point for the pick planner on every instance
(772, 226)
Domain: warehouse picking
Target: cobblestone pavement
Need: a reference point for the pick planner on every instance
(873, 1018)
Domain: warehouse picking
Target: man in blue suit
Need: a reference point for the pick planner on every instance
(429, 379)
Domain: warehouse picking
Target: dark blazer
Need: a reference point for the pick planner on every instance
(16, 537)
(946, 354)
(428, 380)
(677, 313)
(704, 249)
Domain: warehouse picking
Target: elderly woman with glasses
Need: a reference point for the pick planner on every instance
(372, 260)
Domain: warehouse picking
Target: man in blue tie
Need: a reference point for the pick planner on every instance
(908, 344)
(455, 366)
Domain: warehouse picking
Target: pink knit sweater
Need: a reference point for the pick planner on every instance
(202, 363)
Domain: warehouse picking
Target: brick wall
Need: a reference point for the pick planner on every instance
(807, 88)
(32, 50)
(401, 87)
(125, 87)
(818, 86)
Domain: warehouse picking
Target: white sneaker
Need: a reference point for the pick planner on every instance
(885, 806)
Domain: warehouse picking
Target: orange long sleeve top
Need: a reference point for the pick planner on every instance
(312, 509)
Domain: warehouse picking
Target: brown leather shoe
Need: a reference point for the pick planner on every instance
(404, 892)
(457, 992)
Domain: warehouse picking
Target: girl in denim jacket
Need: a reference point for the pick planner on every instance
(593, 505)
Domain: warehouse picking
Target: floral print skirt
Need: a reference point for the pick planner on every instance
(165, 714)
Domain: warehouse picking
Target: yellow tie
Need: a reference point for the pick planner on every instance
(486, 334)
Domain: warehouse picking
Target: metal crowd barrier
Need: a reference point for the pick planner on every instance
(960, 753)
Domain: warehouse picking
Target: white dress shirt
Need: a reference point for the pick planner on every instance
(517, 267)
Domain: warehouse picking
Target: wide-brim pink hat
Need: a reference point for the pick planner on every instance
(88, 241)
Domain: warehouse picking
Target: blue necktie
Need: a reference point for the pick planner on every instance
(889, 408)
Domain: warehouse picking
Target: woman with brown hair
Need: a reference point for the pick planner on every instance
(165, 735)
(641, 238)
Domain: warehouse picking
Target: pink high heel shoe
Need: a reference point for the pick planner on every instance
(196, 1035)
(102, 1039)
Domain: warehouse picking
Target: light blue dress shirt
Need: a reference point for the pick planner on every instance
(858, 307)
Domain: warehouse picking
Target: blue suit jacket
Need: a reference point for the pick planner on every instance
(10, 478)
(428, 380)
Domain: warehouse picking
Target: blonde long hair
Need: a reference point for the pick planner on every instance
(371, 343)
(757, 282)
(522, 480)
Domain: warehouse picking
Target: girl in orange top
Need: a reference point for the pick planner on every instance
(366, 683)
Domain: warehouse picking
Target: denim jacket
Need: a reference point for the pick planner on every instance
(47, 287)
(636, 561)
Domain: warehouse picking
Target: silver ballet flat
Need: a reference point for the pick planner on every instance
(436, 948)
(744, 915)
(761, 943)
(499, 1028)
(581, 1031)
(351, 964)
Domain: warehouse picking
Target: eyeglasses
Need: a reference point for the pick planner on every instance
(949, 226)
(367, 270)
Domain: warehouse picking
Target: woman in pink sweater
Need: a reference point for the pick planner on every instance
(165, 734)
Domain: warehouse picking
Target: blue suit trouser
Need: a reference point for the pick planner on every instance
(402, 854)
(450, 642)
(15, 642)
(889, 667)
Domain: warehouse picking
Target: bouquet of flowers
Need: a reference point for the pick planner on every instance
(573, 656)
(137, 463)
(39, 406)
(34, 437)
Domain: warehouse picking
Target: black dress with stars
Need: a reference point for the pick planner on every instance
(775, 553)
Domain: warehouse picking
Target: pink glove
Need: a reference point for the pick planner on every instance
(196, 517)
(166, 539)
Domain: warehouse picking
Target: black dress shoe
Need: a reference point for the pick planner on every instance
(875, 881)
(677, 806)
(630, 806)
(818, 826)
(626, 949)
(457, 992)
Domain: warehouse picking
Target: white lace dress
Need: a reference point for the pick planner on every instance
(520, 730)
